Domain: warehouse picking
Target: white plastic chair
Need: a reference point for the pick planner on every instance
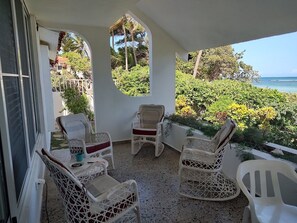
(200, 166)
(260, 181)
(147, 128)
(99, 199)
(81, 137)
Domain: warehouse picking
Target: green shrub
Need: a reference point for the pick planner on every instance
(217, 111)
(134, 82)
(190, 121)
(286, 137)
(76, 102)
(250, 136)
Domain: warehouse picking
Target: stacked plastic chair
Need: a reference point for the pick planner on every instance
(260, 181)
(99, 199)
(200, 167)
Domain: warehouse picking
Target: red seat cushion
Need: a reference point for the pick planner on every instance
(95, 148)
(144, 132)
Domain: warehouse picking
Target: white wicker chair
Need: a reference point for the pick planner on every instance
(260, 181)
(100, 199)
(201, 164)
(81, 137)
(147, 128)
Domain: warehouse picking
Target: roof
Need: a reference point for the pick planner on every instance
(193, 24)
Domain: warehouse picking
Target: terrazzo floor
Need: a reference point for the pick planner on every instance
(157, 181)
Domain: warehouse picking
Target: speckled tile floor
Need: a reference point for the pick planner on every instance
(157, 181)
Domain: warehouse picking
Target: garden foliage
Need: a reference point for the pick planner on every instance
(269, 114)
(133, 83)
(77, 102)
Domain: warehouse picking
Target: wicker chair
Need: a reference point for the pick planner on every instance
(100, 199)
(201, 164)
(147, 128)
(82, 139)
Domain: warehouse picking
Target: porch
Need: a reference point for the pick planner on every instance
(26, 113)
(157, 180)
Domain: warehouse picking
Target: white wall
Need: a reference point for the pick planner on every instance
(45, 82)
(57, 104)
(114, 111)
(30, 208)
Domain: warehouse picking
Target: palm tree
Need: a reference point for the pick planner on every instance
(74, 43)
(120, 29)
(132, 31)
(133, 26)
(197, 63)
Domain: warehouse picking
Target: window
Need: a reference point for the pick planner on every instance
(17, 88)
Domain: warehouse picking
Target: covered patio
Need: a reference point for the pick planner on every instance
(30, 31)
(157, 180)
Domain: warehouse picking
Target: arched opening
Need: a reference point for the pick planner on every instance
(129, 45)
(71, 76)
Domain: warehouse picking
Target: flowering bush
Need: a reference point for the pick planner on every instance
(183, 108)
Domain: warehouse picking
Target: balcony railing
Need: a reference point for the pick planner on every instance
(83, 85)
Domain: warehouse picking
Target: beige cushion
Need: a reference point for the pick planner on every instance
(150, 115)
(101, 185)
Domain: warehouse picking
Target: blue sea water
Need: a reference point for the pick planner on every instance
(283, 84)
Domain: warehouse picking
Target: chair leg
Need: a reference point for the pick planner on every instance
(112, 162)
(246, 215)
(135, 145)
(159, 147)
(137, 212)
(212, 186)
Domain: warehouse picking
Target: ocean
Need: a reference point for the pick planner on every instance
(283, 84)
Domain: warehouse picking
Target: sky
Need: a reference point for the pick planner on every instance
(273, 56)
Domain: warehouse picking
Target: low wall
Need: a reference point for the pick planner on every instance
(174, 135)
(58, 104)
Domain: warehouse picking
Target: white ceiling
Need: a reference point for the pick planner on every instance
(194, 24)
(80, 12)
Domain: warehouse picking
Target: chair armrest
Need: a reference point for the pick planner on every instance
(198, 159)
(94, 170)
(123, 192)
(290, 173)
(76, 146)
(136, 117)
(200, 144)
(135, 123)
(129, 185)
(196, 152)
(99, 137)
(159, 128)
(160, 123)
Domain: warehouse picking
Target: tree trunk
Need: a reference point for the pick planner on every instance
(133, 47)
(112, 33)
(126, 49)
(197, 64)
